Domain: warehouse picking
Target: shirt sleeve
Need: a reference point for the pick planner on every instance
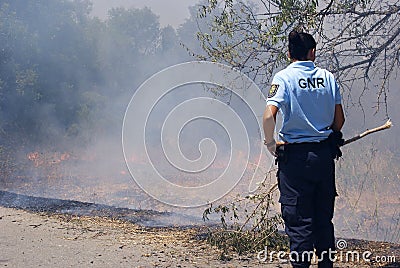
(338, 96)
(277, 94)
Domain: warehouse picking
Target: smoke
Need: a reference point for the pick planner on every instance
(171, 13)
(71, 77)
(66, 79)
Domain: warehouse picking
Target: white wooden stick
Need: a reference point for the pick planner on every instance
(387, 125)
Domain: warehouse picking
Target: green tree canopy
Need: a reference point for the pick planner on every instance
(359, 41)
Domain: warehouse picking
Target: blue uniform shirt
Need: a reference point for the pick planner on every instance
(306, 96)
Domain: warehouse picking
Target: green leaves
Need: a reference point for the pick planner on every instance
(247, 223)
(354, 37)
(26, 80)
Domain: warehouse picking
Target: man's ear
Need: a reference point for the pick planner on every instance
(311, 54)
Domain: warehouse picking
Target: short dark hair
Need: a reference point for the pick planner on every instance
(300, 44)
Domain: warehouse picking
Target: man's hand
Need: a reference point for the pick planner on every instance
(271, 146)
(269, 119)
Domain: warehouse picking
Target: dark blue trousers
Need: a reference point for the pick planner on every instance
(306, 177)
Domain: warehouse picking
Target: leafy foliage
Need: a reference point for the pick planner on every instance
(61, 70)
(248, 224)
(357, 40)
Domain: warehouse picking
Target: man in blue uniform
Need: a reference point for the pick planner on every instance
(310, 102)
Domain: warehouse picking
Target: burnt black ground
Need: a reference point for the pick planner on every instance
(148, 218)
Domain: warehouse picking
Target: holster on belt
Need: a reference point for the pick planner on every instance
(336, 140)
(281, 154)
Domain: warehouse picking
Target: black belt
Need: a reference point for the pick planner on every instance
(282, 150)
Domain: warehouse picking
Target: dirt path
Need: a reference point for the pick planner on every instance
(33, 240)
(39, 240)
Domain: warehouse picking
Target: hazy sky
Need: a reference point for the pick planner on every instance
(172, 12)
